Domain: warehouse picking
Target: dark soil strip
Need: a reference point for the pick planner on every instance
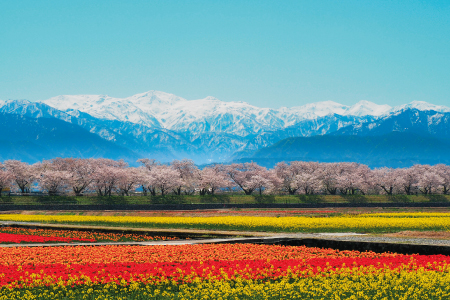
(353, 245)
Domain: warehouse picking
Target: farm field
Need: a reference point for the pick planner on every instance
(226, 271)
(301, 223)
(219, 272)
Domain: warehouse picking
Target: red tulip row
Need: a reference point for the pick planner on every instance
(188, 272)
(18, 235)
(20, 238)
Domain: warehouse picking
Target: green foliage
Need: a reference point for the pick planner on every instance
(168, 199)
(215, 199)
(355, 199)
(311, 198)
(437, 198)
(398, 198)
(264, 198)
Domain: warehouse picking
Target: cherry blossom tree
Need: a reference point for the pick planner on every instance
(307, 183)
(79, 169)
(147, 166)
(307, 176)
(444, 172)
(104, 179)
(429, 180)
(349, 178)
(409, 178)
(242, 174)
(287, 174)
(164, 178)
(390, 180)
(54, 182)
(106, 175)
(264, 181)
(129, 179)
(6, 178)
(366, 183)
(189, 175)
(148, 163)
(23, 174)
(212, 179)
(329, 177)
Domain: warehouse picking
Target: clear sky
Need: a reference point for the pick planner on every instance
(267, 53)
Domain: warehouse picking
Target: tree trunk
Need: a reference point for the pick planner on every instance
(248, 192)
(332, 191)
(144, 190)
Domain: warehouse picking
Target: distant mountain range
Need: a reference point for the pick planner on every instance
(395, 149)
(165, 127)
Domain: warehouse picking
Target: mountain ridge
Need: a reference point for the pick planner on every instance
(160, 109)
(207, 136)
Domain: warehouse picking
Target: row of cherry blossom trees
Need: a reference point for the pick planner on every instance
(106, 176)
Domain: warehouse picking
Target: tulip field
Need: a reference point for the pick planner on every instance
(226, 271)
(27, 235)
(218, 271)
(362, 223)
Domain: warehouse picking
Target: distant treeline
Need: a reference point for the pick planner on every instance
(106, 177)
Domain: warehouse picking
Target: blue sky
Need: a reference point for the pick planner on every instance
(267, 53)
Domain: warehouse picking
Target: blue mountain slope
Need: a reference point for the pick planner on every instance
(116, 132)
(410, 120)
(395, 149)
(33, 140)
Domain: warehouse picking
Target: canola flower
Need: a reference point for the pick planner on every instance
(387, 285)
(355, 223)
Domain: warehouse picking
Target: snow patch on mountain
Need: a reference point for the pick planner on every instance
(367, 108)
(422, 106)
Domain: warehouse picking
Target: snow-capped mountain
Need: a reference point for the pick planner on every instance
(164, 110)
(165, 127)
(413, 120)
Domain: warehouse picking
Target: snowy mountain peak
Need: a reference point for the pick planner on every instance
(366, 108)
(155, 97)
(18, 102)
(319, 109)
(211, 98)
(421, 105)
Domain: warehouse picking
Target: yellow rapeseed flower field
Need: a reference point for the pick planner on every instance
(384, 284)
(355, 223)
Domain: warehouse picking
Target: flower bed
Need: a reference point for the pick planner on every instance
(27, 235)
(377, 223)
(219, 271)
(19, 238)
